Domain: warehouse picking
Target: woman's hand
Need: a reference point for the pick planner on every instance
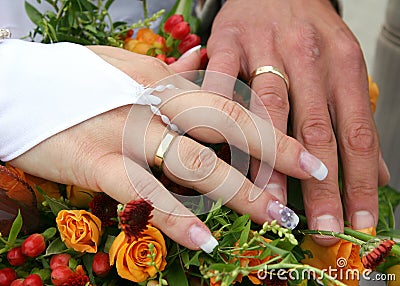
(91, 154)
(328, 96)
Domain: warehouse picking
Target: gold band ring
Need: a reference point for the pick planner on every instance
(270, 69)
(163, 148)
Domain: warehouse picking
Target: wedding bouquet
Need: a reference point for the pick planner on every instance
(54, 234)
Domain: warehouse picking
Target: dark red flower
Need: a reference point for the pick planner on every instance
(78, 279)
(105, 208)
(134, 217)
(374, 253)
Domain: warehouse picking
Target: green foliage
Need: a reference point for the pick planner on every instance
(81, 22)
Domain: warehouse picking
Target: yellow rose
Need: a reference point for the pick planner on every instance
(394, 273)
(130, 255)
(79, 197)
(343, 256)
(79, 230)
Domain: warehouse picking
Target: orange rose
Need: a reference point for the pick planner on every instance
(130, 255)
(79, 230)
(343, 256)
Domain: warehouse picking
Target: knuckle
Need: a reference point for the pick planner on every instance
(283, 144)
(359, 190)
(200, 161)
(155, 69)
(349, 54)
(271, 96)
(360, 137)
(316, 131)
(172, 220)
(235, 113)
(308, 42)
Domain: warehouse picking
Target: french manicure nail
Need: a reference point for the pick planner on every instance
(362, 219)
(312, 165)
(195, 49)
(202, 238)
(282, 214)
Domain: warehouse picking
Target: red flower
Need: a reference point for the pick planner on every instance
(105, 208)
(190, 41)
(78, 279)
(172, 21)
(374, 253)
(134, 217)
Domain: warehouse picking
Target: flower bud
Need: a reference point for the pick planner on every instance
(171, 22)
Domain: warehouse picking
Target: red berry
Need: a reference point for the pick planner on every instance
(101, 264)
(33, 280)
(180, 31)
(15, 256)
(188, 42)
(171, 22)
(61, 259)
(203, 58)
(61, 274)
(33, 245)
(170, 60)
(7, 276)
(18, 282)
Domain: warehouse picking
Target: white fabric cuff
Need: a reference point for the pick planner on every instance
(47, 88)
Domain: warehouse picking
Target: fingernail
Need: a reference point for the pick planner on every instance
(362, 219)
(312, 165)
(190, 51)
(202, 238)
(282, 214)
(327, 222)
(276, 190)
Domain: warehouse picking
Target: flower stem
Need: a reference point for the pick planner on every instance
(351, 238)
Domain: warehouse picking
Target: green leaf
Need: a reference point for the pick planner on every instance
(108, 243)
(239, 224)
(194, 260)
(245, 233)
(222, 267)
(33, 13)
(44, 273)
(15, 229)
(87, 262)
(49, 233)
(55, 247)
(176, 274)
(56, 205)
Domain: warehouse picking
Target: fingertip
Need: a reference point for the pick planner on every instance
(201, 237)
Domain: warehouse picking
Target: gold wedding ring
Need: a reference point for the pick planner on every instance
(270, 69)
(163, 148)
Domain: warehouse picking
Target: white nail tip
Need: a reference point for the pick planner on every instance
(209, 246)
(190, 51)
(202, 238)
(321, 173)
